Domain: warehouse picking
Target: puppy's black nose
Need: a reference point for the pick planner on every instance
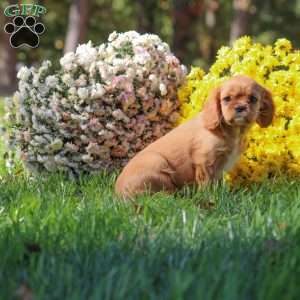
(240, 108)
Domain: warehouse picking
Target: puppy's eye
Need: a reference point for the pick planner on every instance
(227, 98)
(252, 99)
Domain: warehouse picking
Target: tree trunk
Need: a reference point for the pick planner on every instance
(77, 27)
(210, 44)
(185, 13)
(8, 59)
(241, 21)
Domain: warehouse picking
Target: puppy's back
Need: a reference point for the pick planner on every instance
(177, 140)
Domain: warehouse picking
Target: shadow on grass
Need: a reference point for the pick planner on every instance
(161, 267)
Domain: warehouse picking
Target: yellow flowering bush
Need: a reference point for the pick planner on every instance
(272, 151)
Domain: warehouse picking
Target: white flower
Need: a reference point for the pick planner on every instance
(184, 70)
(67, 61)
(112, 36)
(142, 58)
(86, 158)
(163, 89)
(129, 35)
(104, 72)
(24, 89)
(24, 74)
(81, 81)
(72, 91)
(86, 54)
(118, 62)
(154, 82)
(33, 93)
(97, 91)
(166, 46)
(71, 147)
(36, 80)
(46, 64)
(60, 160)
(83, 93)
(39, 139)
(101, 48)
(161, 48)
(51, 81)
(110, 50)
(130, 72)
(67, 79)
(43, 89)
(103, 105)
(140, 74)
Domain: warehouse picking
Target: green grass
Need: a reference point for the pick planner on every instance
(68, 240)
(210, 244)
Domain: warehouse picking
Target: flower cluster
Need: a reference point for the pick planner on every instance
(272, 151)
(101, 107)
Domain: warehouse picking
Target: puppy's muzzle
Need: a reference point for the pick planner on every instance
(240, 108)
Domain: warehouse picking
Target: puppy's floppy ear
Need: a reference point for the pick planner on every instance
(266, 111)
(212, 114)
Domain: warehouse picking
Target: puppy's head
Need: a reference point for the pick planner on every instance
(239, 102)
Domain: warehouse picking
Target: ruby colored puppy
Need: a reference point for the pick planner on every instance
(199, 150)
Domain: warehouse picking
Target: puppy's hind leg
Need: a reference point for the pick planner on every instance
(160, 182)
(150, 173)
(147, 183)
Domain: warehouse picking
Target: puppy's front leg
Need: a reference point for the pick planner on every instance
(243, 145)
(209, 170)
(204, 175)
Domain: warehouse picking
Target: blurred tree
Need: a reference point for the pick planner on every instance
(241, 20)
(185, 14)
(146, 13)
(8, 58)
(276, 19)
(111, 15)
(195, 29)
(77, 27)
(209, 41)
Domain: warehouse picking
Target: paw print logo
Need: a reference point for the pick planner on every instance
(24, 32)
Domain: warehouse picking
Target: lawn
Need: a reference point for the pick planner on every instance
(61, 239)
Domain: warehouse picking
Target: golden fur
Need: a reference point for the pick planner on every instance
(199, 150)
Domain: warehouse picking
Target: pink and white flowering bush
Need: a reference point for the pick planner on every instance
(101, 107)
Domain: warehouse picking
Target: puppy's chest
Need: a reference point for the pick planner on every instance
(232, 157)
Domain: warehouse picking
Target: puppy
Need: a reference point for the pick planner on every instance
(201, 149)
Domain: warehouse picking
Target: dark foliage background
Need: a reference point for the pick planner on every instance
(194, 29)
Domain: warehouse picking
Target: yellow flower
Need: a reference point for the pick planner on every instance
(196, 74)
(271, 151)
(241, 45)
(283, 45)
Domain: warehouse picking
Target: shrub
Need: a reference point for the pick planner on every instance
(274, 151)
(101, 107)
